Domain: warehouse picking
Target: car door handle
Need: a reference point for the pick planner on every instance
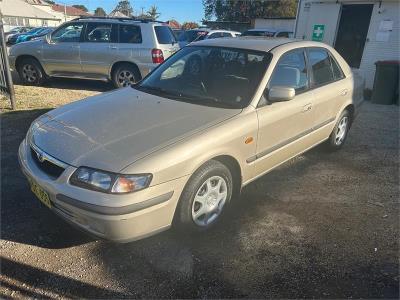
(307, 107)
(344, 92)
(113, 47)
(75, 46)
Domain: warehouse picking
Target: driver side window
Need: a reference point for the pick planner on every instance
(291, 71)
(70, 33)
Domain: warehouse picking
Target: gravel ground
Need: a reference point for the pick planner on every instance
(324, 225)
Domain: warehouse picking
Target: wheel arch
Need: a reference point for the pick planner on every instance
(234, 167)
(20, 58)
(119, 63)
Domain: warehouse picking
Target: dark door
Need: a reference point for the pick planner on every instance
(352, 32)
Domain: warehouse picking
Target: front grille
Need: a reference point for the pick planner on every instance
(46, 166)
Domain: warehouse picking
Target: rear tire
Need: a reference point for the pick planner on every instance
(339, 133)
(125, 75)
(205, 198)
(31, 72)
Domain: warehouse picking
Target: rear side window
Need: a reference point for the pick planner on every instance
(337, 71)
(291, 71)
(98, 33)
(320, 63)
(130, 34)
(164, 35)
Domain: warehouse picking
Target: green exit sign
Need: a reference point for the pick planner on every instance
(318, 32)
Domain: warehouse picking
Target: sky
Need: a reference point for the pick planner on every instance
(180, 10)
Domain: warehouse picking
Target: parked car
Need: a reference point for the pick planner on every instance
(189, 36)
(120, 50)
(16, 30)
(38, 34)
(269, 32)
(214, 34)
(176, 147)
(12, 40)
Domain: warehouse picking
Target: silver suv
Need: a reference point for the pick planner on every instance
(121, 50)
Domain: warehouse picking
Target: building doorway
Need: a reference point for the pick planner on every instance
(352, 32)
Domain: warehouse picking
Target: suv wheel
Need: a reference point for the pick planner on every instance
(31, 72)
(339, 134)
(125, 75)
(205, 197)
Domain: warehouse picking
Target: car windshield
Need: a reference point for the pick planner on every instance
(212, 76)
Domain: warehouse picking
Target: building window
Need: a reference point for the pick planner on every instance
(44, 22)
(6, 20)
(20, 21)
(13, 21)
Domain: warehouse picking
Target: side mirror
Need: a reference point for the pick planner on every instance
(281, 93)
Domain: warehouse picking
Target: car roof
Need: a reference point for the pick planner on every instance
(270, 29)
(258, 43)
(118, 20)
(251, 43)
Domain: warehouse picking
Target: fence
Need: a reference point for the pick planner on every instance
(6, 84)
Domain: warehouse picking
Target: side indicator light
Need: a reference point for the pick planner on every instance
(249, 140)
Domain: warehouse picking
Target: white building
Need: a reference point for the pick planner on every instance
(362, 31)
(63, 12)
(19, 13)
(286, 24)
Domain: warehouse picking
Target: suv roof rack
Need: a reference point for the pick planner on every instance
(119, 19)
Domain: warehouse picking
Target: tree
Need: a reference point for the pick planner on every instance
(153, 13)
(244, 10)
(81, 7)
(100, 12)
(125, 7)
(189, 25)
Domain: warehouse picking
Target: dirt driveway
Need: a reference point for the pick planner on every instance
(321, 226)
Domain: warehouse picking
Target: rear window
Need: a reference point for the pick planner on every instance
(164, 35)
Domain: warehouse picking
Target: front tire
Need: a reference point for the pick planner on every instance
(340, 131)
(204, 198)
(31, 72)
(125, 75)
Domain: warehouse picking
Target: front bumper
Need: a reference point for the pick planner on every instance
(120, 218)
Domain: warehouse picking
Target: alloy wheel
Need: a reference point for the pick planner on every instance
(209, 201)
(29, 73)
(125, 78)
(341, 131)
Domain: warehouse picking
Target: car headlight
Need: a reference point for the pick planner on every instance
(108, 182)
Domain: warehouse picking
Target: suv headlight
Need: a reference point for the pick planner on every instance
(108, 182)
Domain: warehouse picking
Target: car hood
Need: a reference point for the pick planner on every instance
(115, 129)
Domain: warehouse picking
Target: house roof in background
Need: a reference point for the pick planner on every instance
(19, 8)
(37, 2)
(117, 14)
(71, 11)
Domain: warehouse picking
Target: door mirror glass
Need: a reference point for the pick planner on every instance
(47, 38)
(281, 93)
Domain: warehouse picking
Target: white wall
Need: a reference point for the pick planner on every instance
(275, 23)
(373, 50)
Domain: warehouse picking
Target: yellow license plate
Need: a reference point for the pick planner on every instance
(40, 193)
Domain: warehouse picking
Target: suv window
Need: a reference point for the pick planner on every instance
(291, 71)
(98, 33)
(130, 34)
(164, 35)
(321, 66)
(69, 33)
